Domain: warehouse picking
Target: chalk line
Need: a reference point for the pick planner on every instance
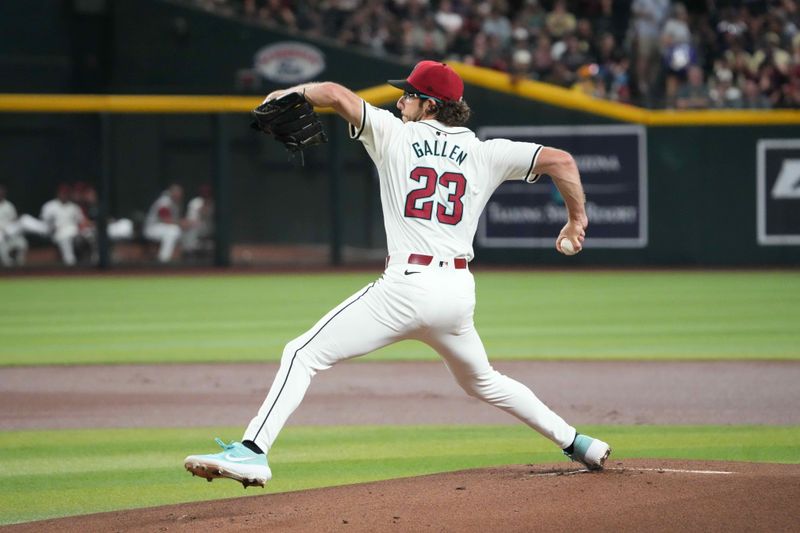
(634, 469)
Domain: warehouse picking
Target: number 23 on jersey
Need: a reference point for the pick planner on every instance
(449, 213)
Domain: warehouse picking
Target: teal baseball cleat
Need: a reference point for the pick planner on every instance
(592, 453)
(235, 461)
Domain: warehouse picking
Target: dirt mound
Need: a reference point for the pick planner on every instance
(642, 495)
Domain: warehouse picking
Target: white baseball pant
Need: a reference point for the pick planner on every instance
(64, 237)
(433, 304)
(167, 234)
(33, 225)
(12, 240)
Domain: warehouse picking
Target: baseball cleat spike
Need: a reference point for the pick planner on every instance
(603, 460)
(209, 479)
(235, 462)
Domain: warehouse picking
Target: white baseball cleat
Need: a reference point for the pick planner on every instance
(592, 453)
(235, 461)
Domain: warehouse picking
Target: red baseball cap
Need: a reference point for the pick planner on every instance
(432, 78)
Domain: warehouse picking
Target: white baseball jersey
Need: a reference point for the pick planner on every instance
(62, 217)
(163, 210)
(435, 180)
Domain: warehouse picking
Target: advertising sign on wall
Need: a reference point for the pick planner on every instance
(613, 165)
(289, 62)
(778, 191)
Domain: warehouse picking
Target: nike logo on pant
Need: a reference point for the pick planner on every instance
(407, 272)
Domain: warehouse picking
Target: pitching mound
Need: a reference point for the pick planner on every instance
(643, 495)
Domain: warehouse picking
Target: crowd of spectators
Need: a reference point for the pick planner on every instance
(653, 53)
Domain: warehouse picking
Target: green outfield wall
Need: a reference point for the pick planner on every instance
(679, 189)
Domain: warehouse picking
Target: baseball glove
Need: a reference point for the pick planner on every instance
(291, 120)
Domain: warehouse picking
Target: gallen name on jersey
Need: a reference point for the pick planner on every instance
(455, 153)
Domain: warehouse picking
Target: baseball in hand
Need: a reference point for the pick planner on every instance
(567, 247)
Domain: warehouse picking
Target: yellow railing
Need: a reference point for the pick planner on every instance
(61, 103)
(384, 94)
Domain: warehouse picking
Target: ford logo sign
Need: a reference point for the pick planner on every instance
(289, 62)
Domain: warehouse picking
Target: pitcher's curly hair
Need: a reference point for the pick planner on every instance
(454, 113)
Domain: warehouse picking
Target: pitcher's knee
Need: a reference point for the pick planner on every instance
(300, 351)
(482, 386)
(291, 350)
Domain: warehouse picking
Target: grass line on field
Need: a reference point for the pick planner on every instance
(59, 473)
(520, 315)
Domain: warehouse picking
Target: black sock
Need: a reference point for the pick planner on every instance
(571, 448)
(252, 446)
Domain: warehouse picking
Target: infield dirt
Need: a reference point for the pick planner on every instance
(637, 495)
(583, 392)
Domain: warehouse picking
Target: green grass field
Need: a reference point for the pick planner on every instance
(58, 473)
(520, 315)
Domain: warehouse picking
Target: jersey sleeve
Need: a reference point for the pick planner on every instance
(514, 160)
(376, 130)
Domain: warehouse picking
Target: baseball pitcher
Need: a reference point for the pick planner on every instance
(435, 179)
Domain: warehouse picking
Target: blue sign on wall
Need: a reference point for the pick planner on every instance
(613, 165)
